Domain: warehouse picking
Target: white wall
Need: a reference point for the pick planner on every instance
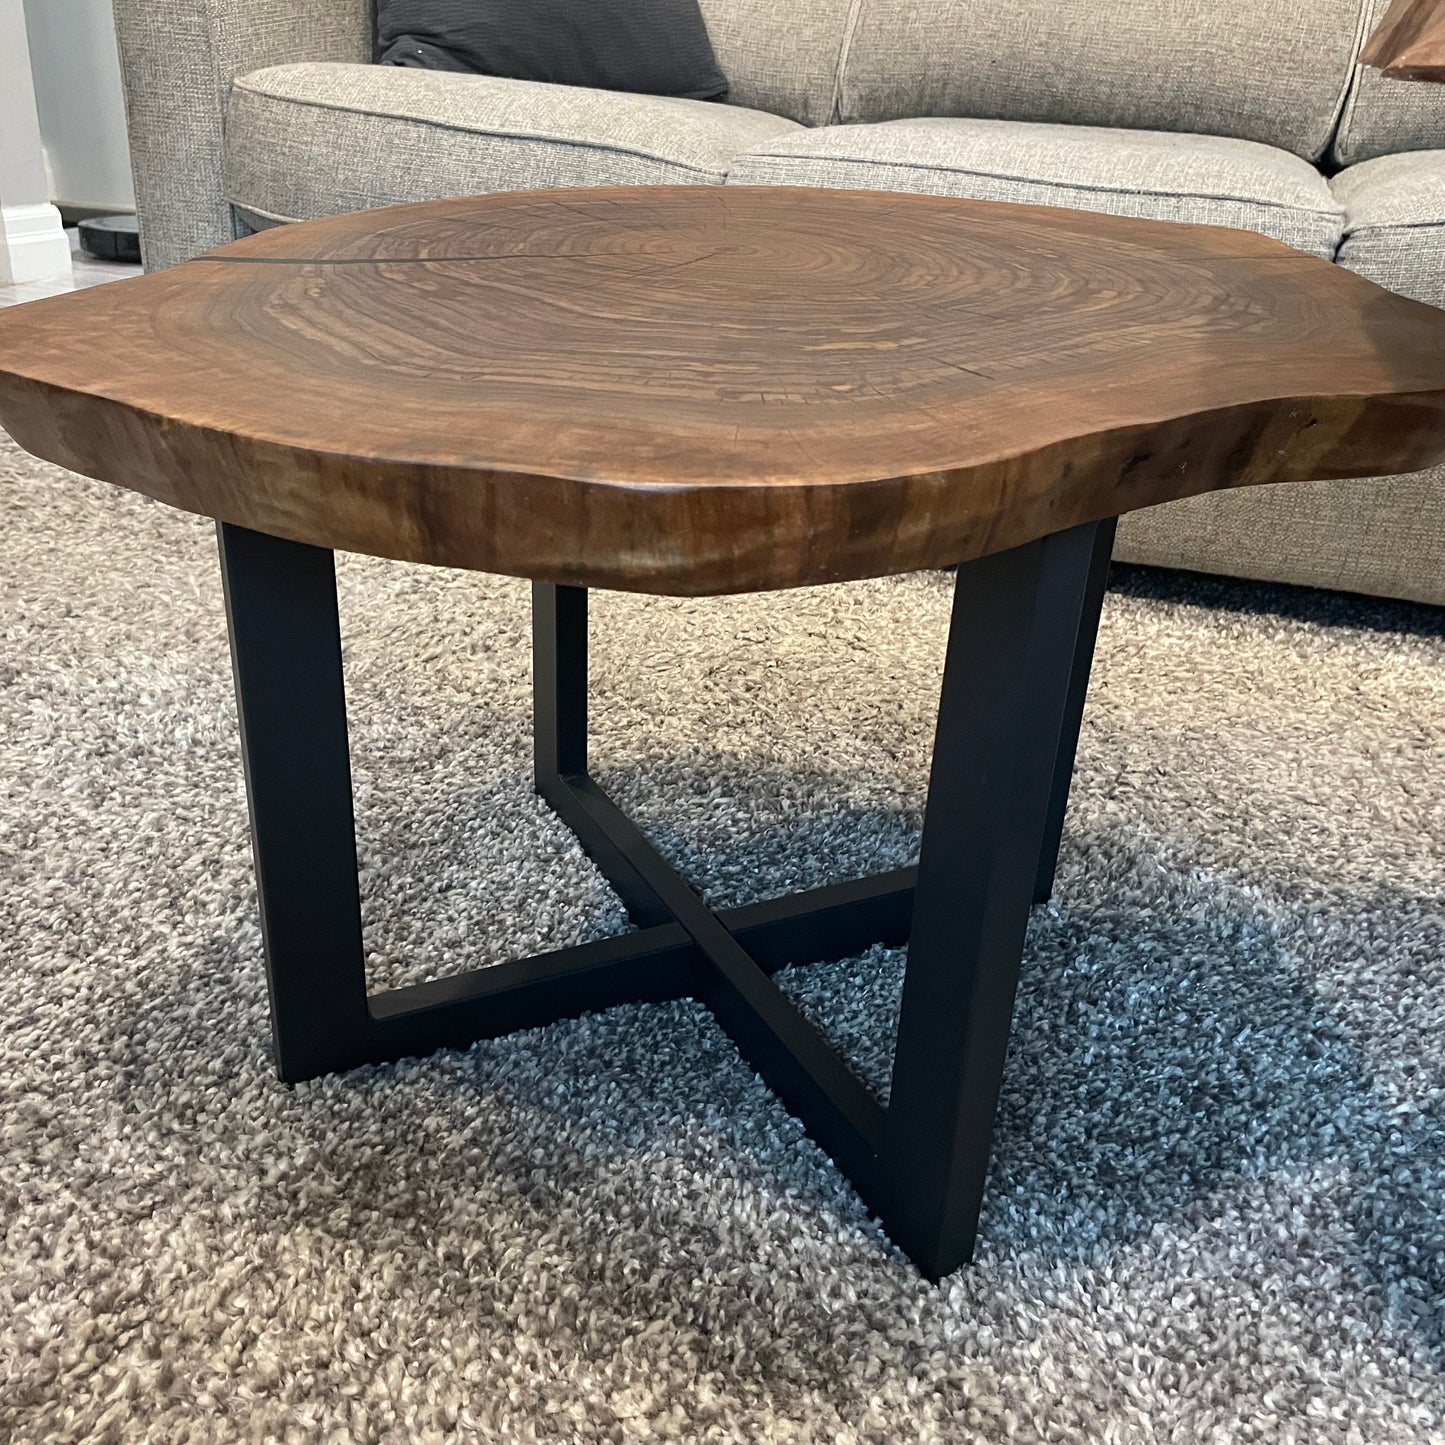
(22, 167)
(78, 96)
(32, 244)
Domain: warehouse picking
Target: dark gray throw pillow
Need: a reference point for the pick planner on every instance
(655, 47)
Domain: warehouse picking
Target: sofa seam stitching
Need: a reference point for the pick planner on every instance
(1393, 226)
(221, 91)
(1052, 185)
(845, 49)
(1351, 96)
(269, 215)
(492, 134)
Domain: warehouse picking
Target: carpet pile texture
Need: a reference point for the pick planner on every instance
(1215, 1211)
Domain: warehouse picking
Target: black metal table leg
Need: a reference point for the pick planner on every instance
(559, 726)
(1011, 655)
(1068, 743)
(286, 657)
(559, 681)
(1019, 643)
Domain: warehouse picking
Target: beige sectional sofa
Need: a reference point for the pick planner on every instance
(250, 113)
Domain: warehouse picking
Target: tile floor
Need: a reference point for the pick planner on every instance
(88, 272)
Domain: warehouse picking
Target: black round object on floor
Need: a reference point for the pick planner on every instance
(110, 238)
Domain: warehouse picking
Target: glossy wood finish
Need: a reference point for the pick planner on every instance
(1409, 42)
(708, 389)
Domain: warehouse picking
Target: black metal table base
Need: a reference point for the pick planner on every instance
(1015, 677)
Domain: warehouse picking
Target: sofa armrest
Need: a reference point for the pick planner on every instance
(178, 58)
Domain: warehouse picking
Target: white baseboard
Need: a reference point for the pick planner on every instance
(33, 244)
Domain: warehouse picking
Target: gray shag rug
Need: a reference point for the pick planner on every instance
(1215, 1208)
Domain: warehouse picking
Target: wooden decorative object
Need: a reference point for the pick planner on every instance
(708, 389)
(1409, 42)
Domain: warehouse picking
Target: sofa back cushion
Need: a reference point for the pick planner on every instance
(780, 55)
(1383, 116)
(1264, 70)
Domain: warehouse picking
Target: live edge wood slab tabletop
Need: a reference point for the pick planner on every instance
(702, 390)
(719, 389)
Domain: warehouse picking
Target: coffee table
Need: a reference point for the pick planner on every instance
(700, 390)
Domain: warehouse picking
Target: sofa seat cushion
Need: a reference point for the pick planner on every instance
(317, 139)
(1154, 174)
(1395, 222)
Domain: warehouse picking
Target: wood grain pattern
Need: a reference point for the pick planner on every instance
(1409, 41)
(702, 390)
